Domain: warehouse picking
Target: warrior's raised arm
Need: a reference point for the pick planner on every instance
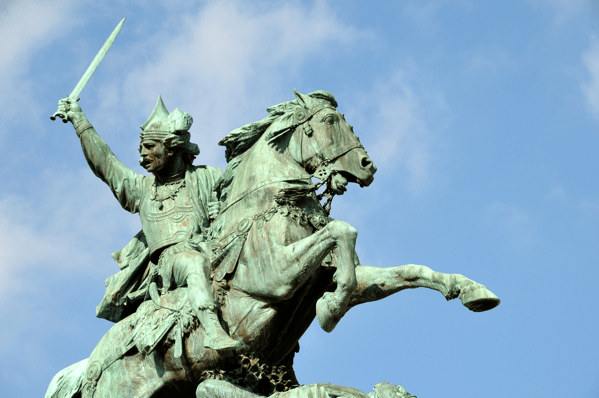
(172, 204)
(124, 183)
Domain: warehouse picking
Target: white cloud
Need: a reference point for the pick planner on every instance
(404, 116)
(25, 26)
(67, 222)
(590, 87)
(55, 240)
(225, 64)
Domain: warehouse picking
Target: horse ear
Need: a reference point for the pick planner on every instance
(301, 98)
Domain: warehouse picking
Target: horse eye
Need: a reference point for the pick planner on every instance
(329, 119)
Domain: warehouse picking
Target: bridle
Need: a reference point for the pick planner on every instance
(323, 170)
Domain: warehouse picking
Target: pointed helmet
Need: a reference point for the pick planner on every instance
(172, 129)
(161, 124)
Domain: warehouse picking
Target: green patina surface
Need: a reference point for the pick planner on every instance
(229, 269)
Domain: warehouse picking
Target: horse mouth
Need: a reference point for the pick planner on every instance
(339, 183)
(341, 179)
(362, 182)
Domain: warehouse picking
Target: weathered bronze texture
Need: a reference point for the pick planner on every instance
(229, 270)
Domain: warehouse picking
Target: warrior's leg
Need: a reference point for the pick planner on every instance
(376, 283)
(193, 269)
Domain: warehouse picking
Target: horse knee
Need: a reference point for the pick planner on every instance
(348, 285)
(413, 272)
(342, 230)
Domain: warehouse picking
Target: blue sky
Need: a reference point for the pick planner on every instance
(482, 118)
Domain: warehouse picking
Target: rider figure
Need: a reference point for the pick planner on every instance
(173, 204)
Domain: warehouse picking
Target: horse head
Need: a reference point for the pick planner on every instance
(302, 138)
(322, 142)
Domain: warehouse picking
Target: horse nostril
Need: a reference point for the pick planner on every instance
(366, 162)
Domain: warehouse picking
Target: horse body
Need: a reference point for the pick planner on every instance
(279, 275)
(279, 262)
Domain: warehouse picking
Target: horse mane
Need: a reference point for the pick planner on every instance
(243, 138)
(238, 141)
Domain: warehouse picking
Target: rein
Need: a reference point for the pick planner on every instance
(262, 186)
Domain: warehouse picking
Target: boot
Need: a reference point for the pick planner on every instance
(215, 338)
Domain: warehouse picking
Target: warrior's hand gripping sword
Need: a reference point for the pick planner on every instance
(90, 71)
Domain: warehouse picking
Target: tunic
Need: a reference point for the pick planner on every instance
(180, 218)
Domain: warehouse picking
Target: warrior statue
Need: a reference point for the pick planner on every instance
(271, 262)
(175, 208)
(272, 257)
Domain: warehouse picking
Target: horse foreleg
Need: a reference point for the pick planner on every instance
(377, 283)
(308, 254)
(332, 306)
(298, 261)
(290, 266)
(284, 269)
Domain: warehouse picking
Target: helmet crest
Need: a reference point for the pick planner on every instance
(160, 124)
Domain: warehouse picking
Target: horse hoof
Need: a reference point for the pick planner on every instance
(478, 298)
(328, 316)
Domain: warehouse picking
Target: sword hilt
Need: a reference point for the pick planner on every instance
(62, 114)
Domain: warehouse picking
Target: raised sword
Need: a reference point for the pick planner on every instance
(91, 69)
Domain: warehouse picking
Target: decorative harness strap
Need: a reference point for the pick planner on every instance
(231, 244)
(300, 116)
(262, 186)
(322, 172)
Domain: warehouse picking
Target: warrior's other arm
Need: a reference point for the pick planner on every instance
(124, 183)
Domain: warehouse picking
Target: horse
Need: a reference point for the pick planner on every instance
(279, 261)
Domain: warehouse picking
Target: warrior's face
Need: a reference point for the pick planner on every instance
(154, 155)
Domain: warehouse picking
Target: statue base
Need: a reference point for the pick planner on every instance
(224, 389)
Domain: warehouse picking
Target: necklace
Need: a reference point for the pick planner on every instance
(168, 189)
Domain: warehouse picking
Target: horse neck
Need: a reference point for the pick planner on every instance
(266, 165)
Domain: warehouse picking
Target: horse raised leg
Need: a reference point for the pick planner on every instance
(377, 283)
(290, 267)
(331, 307)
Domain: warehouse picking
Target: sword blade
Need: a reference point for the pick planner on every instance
(92, 67)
